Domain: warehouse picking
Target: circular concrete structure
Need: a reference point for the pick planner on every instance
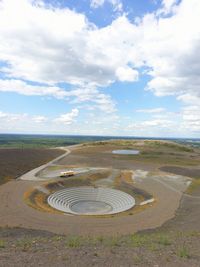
(91, 201)
(126, 152)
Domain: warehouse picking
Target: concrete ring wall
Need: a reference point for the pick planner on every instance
(112, 201)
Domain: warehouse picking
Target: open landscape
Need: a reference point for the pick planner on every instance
(163, 231)
(99, 133)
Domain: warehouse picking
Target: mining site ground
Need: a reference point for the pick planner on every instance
(84, 242)
(15, 162)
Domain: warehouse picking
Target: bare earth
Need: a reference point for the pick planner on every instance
(14, 212)
(175, 214)
(17, 213)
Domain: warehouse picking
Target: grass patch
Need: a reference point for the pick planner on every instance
(150, 156)
(138, 240)
(74, 242)
(97, 176)
(150, 241)
(2, 244)
(100, 239)
(78, 241)
(5, 179)
(25, 244)
(38, 200)
(57, 238)
(163, 239)
(170, 145)
(138, 260)
(183, 252)
(112, 242)
(195, 184)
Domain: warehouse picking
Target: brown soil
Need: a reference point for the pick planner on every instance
(174, 244)
(98, 156)
(150, 158)
(194, 173)
(15, 212)
(15, 162)
(23, 247)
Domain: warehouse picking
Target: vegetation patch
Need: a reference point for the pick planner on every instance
(38, 200)
(183, 252)
(2, 244)
(194, 186)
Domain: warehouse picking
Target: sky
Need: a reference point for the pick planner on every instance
(100, 67)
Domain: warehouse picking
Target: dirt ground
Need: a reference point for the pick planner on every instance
(103, 157)
(173, 243)
(194, 173)
(15, 162)
(150, 157)
(15, 212)
(166, 246)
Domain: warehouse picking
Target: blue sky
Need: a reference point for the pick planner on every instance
(100, 67)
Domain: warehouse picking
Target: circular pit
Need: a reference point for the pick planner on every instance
(91, 201)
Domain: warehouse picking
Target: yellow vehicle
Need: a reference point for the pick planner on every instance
(67, 173)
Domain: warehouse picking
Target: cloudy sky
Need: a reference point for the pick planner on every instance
(100, 67)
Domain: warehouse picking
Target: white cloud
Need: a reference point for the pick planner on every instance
(168, 5)
(191, 118)
(172, 51)
(153, 127)
(68, 118)
(127, 74)
(21, 87)
(58, 45)
(190, 99)
(186, 122)
(10, 119)
(52, 45)
(83, 94)
(117, 4)
(153, 110)
(21, 122)
(157, 123)
(6, 117)
(2, 115)
(39, 119)
(84, 55)
(97, 3)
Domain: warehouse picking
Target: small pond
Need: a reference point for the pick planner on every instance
(126, 152)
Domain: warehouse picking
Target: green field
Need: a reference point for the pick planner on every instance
(42, 141)
(47, 141)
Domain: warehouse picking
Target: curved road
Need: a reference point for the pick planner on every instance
(31, 175)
